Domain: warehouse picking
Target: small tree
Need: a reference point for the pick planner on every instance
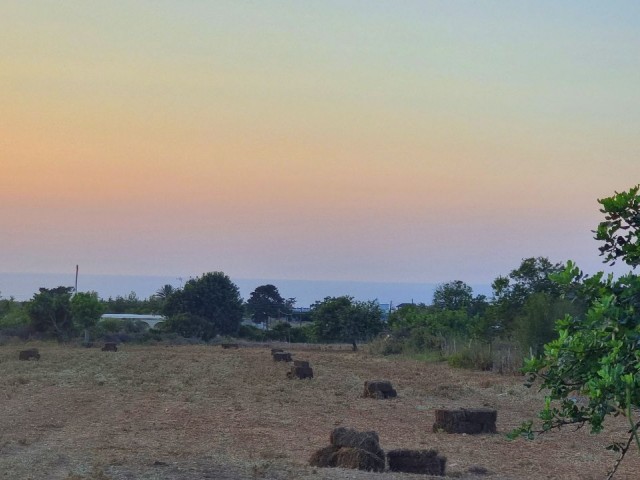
(342, 319)
(596, 354)
(86, 310)
(50, 311)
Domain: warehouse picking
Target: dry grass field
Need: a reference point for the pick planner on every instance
(201, 412)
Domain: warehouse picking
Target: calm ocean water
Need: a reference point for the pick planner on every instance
(22, 286)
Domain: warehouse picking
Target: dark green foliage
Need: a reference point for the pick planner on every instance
(455, 295)
(266, 302)
(251, 332)
(211, 305)
(619, 230)
(511, 293)
(342, 319)
(435, 322)
(132, 304)
(535, 325)
(12, 313)
(86, 310)
(50, 312)
(188, 325)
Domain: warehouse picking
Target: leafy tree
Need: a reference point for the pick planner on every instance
(511, 292)
(596, 354)
(342, 319)
(86, 310)
(50, 311)
(455, 295)
(265, 301)
(214, 298)
(408, 316)
(619, 231)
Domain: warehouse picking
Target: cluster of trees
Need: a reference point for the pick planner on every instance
(206, 307)
(523, 310)
(524, 307)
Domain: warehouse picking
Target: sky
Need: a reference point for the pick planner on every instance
(368, 141)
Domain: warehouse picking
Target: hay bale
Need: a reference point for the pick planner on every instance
(426, 462)
(301, 363)
(357, 458)
(466, 420)
(281, 357)
(29, 354)
(110, 347)
(379, 389)
(229, 345)
(325, 457)
(348, 437)
(300, 372)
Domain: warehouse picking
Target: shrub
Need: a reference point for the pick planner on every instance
(16, 317)
(471, 358)
(251, 333)
(108, 325)
(421, 339)
(386, 345)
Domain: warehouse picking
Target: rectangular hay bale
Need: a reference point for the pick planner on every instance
(281, 357)
(426, 462)
(300, 372)
(466, 420)
(379, 389)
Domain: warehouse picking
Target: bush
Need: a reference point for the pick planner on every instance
(16, 317)
(251, 333)
(108, 325)
(471, 358)
(386, 345)
(134, 326)
(421, 339)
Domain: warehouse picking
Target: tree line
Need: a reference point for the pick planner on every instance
(524, 307)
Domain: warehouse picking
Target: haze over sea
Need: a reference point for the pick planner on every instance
(22, 286)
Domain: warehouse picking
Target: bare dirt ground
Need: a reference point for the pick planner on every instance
(201, 412)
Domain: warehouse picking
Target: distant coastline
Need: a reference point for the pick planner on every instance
(22, 286)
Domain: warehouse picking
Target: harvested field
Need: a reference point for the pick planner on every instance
(194, 412)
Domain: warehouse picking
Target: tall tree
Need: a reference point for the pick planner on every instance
(212, 298)
(264, 302)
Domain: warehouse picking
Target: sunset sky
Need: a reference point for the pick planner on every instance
(386, 141)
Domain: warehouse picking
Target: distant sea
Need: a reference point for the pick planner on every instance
(22, 286)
